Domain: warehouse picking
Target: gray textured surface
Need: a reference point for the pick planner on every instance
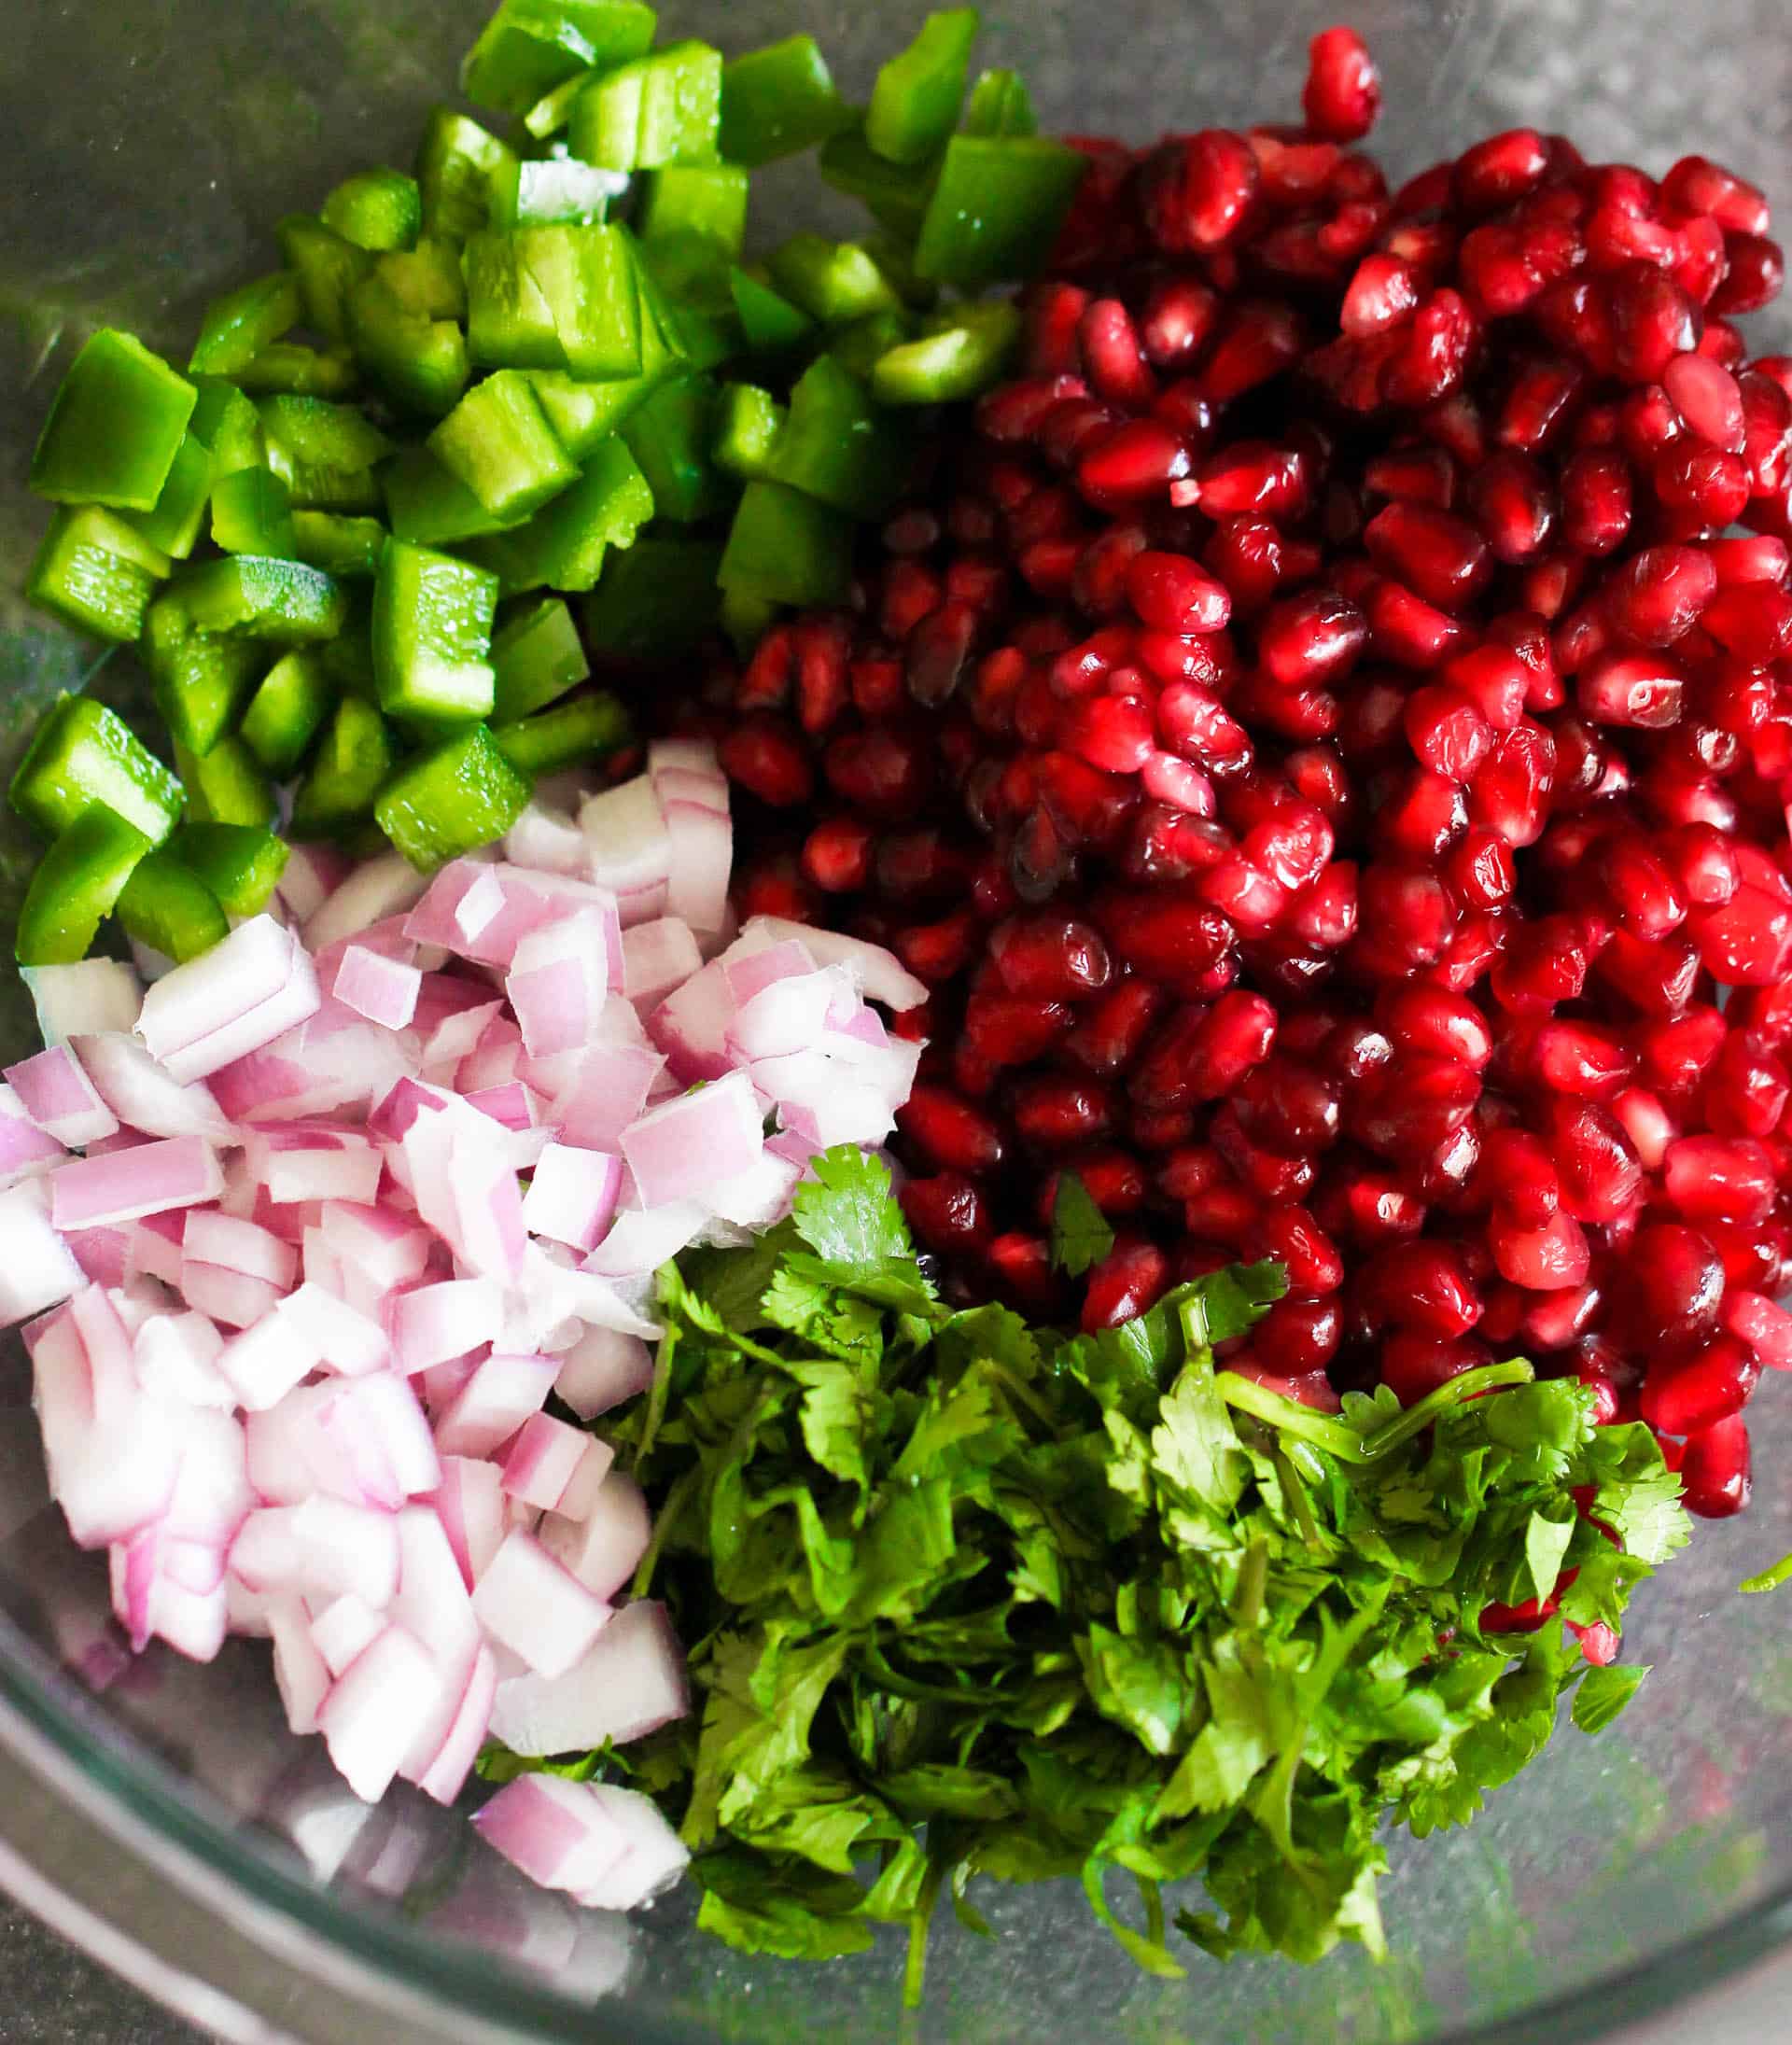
(195, 124)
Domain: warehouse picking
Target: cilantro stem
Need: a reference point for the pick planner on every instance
(657, 1398)
(1338, 1437)
(920, 1924)
(663, 1523)
(1769, 1579)
(1488, 1377)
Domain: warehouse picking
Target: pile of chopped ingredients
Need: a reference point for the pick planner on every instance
(1257, 824)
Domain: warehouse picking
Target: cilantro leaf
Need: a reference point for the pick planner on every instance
(846, 1212)
(1604, 1693)
(1081, 1236)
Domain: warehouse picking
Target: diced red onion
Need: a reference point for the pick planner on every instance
(469, 1503)
(555, 1831)
(702, 856)
(641, 1240)
(436, 1323)
(311, 873)
(24, 1148)
(603, 1545)
(248, 990)
(373, 1712)
(385, 990)
(176, 1355)
(610, 1090)
(233, 1297)
(266, 1360)
(58, 1095)
(625, 829)
(528, 1604)
(321, 1549)
(877, 972)
(602, 1369)
(143, 1095)
(560, 978)
(368, 894)
(37, 1267)
(95, 995)
(630, 1682)
(657, 956)
(572, 1195)
(344, 1627)
(656, 1859)
(543, 1460)
(501, 1395)
(242, 1245)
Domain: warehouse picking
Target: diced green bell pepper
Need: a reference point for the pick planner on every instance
(787, 548)
(896, 194)
(657, 600)
(555, 297)
(997, 208)
(529, 46)
(179, 517)
(771, 326)
(895, 257)
(237, 326)
(552, 191)
(288, 712)
(325, 453)
(328, 267)
(663, 108)
(1001, 105)
(670, 436)
(227, 421)
(837, 446)
(241, 864)
(748, 419)
(835, 282)
(458, 165)
(377, 210)
(747, 617)
(252, 513)
(226, 785)
(497, 441)
(84, 756)
(77, 883)
(417, 360)
(427, 279)
(352, 764)
(348, 658)
(583, 414)
(258, 596)
(115, 427)
(859, 347)
(537, 656)
(571, 734)
(778, 101)
(958, 363)
(914, 101)
(348, 548)
(554, 110)
(432, 636)
(167, 907)
(452, 800)
(290, 369)
(428, 505)
(201, 678)
(96, 572)
(706, 202)
(562, 547)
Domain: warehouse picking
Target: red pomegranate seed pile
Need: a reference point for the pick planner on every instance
(1322, 742)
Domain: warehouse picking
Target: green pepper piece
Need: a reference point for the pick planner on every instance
(859, 348)
(227, 421)
(553, 191)
(747, 617)
(554, 298)
(458, 165)
(789, 547)
(895, 257)
(583, 414)
(348, 548)
(747, 420)
(260, 596)
(997, 208)
(670, 437)
(96, 572)
(452, 800)
(771, 326)
(529, 46)
(428, 505)
(497, 441)
(287, 710)
(417, 361)
(571, 734)
(425, 280)
(167, 907)
(377, 210)
(328, 268)
(252, 513)
(657, 600)
(835, 282)
(703, 202)
(835, 445)
(115, 427)
(179, 517)
(84, 756)
(348, 658)
(241, 864)
(663, 108)
(958, 363)
(292, 370)
(562, 546)
(200, 679)
(226, 785)
(537, 656)
(77, 883)
(1001, 105)
(325, 453)
(432, 636)
(352, 764)
(778, 101)
(914, 101)
(237, 326)
(896, 194)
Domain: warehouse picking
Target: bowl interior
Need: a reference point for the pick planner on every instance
(149, 150)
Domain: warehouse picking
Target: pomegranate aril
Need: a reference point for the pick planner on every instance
(1752, 277)
(1697, 185)
(947, 1212)
(1128, 1281)
(1413, 1364)
(1596, 500)
(1197, 192)
(1546, 1259)
(1343, 90)
(1685, 1395)
(1059, 1114)
(1716, 1470)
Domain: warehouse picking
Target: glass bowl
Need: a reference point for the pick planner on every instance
(161, 1814)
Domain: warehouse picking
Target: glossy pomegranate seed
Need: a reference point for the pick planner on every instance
(1755, 273)
(1197, 192)
(1716, 1470)
(1640, 691)
(1172, 595)
(1310, 640)
(1687, 1396)
(769, 760)
(1653, 319)
(1766, 1328)
(1343, 90)
(1511, 500)
(1125, 1284)
(951, 1134)
(947, 1212)
(1674, 1286)
(1011, 1030)
(1518, 1176)
(1546, 1259)
(1415, 1364)
(1596, 500)
(1443, 557)
(1697, 185)
(1050, 957)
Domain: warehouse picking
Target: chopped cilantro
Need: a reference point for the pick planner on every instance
(1081, 1236)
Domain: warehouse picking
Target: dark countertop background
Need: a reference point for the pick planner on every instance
(53, 1995)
